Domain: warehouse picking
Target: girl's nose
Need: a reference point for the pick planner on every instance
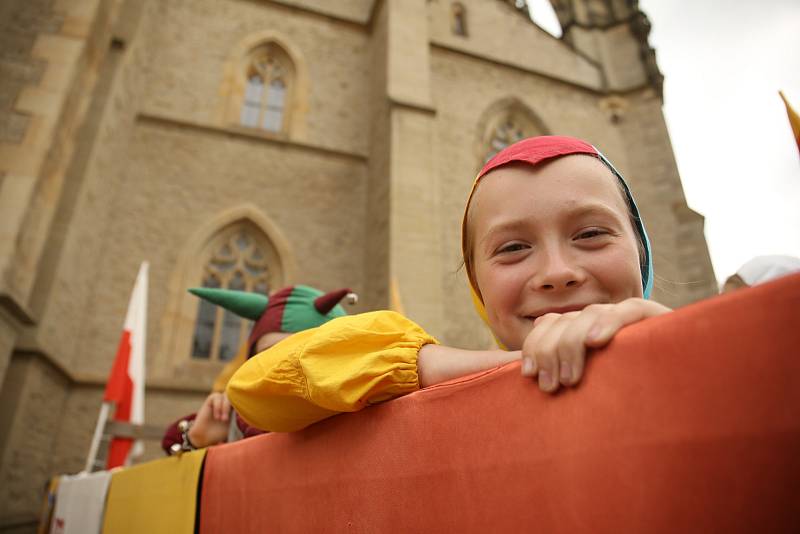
(555, 271)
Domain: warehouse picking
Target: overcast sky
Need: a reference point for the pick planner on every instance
(724, 62)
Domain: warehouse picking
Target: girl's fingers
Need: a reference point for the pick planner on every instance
(226, 407)
(530, 363)
(572, 348)
(555, 350)
(546, 350)
(215, 408)
(529, 366)
(614, 317)
(218, 405)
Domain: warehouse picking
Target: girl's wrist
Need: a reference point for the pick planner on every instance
(196, 439)
(427, 364)
(437, 363)
(502, 357)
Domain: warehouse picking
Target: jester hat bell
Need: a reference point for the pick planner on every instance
(291, 309)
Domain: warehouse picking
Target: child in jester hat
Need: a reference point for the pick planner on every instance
(557, 260)
(292, 309)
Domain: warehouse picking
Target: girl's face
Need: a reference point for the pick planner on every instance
(551, 238)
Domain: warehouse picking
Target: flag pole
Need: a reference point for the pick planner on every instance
(98, 435)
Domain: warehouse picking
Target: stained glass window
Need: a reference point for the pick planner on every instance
(204, 326)
(238, 262)
(508, 132)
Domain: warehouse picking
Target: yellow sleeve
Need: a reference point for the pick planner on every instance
(341, 366)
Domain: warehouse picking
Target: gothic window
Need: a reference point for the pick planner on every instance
(506, 133)
(251, 109)
(238, 261)
(459, 19)
(504, 123)
(268, 81)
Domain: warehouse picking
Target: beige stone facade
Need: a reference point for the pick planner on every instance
(121, 140)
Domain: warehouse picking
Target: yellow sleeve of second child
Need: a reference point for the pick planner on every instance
(341, 366)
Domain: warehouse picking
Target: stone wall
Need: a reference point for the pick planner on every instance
(22, 22)
(32, 403)
(520, 43)
(195, 40)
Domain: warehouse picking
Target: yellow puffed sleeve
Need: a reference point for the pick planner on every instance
(341, 366)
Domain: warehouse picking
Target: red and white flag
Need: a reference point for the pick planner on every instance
(125, 385)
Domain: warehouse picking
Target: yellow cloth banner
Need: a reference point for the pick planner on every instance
(154, 497)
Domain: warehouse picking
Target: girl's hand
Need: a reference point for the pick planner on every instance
(211, 424)
(555, 350)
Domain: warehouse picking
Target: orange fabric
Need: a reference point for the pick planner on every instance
(687, 422)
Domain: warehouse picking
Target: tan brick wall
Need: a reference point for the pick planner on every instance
(32, 406)
(86, 212)
(352, 10)
(9, 332)
(20, 23)
(376, 257)
(519, 43)
(333, 54)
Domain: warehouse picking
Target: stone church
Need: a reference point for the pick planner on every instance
(254, 144)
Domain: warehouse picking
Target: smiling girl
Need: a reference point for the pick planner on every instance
(557, 259)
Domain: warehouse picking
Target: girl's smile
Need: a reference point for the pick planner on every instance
(553, 238)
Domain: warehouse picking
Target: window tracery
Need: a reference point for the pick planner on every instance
(507, 132)
(504, 123)
(238, 261)
(267, 86)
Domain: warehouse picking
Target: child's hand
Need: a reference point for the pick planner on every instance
(555, 350)
(211, 424)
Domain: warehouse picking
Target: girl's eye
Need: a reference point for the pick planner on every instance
(513, 247)
(590, 233)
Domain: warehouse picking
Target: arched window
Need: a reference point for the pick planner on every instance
(459, 15)
(508, 132)
(239, 260)
(504, 123)
(268, 81)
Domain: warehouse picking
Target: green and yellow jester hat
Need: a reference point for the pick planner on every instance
(291, 309)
